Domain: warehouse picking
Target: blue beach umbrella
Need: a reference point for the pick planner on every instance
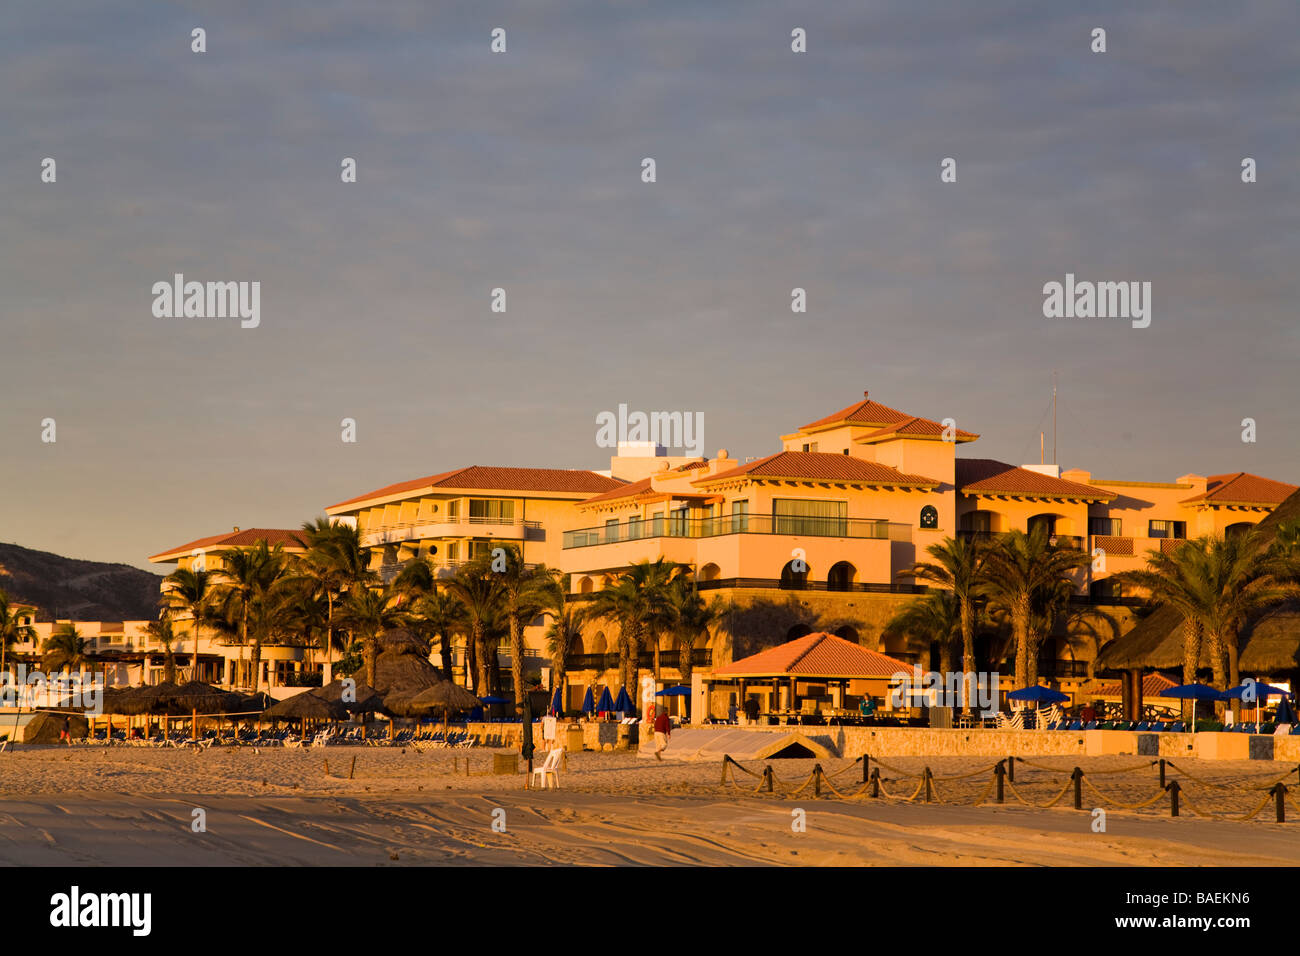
(557, 702)
(588, 705)
(606, 702)
(1039, 694)
(1194, 692)
(1258, 693)
(681, 690)
(624, 702)
(493, 700)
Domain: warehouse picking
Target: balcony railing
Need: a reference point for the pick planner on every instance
(1072, 542)
(1051, 669)
(700, 657)
(738, 524)
(439, 527)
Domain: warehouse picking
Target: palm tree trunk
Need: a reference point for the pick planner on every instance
(329, 639)
(444, 650)
(1218, 663)
(685, 651)
(471, 658)
(517, 656)
(1234, 670)
(1192, 636)
(1020, 626)
(372, 654)
(257, 664)
(968, 635)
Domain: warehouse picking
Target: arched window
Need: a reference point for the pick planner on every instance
(798, 631)
(710, 572)
(848, 632)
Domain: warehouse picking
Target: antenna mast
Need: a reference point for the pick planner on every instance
(1053, 418)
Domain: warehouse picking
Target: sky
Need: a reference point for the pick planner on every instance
(522, 170)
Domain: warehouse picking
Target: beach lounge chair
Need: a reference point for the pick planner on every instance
(1090, 725)
(549, 770)
(1178, 727)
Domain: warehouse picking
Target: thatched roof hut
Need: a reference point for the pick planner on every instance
(1156, 640)
(150, 699)
(402, 667)
(46, 728)
(366, 699)
(206, 699)
(306, 706)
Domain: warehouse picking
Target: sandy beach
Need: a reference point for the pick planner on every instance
(124, 806)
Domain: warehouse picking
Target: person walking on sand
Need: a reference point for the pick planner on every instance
(663, 730)
(65, 735)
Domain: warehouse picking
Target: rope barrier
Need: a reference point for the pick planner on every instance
(1040, 766)
(1040, 806)
(1222, 786)
(1160, 794)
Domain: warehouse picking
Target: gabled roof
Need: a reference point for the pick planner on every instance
(629, 490)
(244, 538)
(820, 466)
(916, 427)
(988, 476)
(865, 412)
(815, 655)
(561, 480)
(1152, 685)
(1242, 488)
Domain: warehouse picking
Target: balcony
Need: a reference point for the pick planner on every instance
(700, 657)
(737, 524)
(1119, 546)
(508, 529)
(1052, 670)
(1071, 542)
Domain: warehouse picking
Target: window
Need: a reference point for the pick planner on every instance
(453, 509)
(739, 516)
(804, 516)
(1168, 529)
(1105, 526)
(491, 509)
(634, 529)
(657, 524)
(677, 523)
(453, 551)
(611, 530)
(1105, 588)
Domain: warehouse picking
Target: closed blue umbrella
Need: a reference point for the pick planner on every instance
(557, 702)
(606, 702)
(588, 705)
(624, 702)
(1285, 712)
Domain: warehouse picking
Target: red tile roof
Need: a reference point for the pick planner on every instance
(1152, 685)
(920, 427)
(245, 538)
(497, 479)
(815, 655)
(630, 490)
(1242, 488)
(820, 466)
(865, 412)
(997, 477)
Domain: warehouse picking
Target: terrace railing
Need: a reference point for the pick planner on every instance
(671, 527)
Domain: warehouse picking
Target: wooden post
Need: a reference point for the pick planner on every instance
(866, 767)
(1011, 769)
(1279, 793)
(817, 780)
(767, 775)
(1163, 785)
(1077, 777)
(875, 782)
(929, 789)
(353, 768)
(724, 770)
(1000, 772)
(1173, 798)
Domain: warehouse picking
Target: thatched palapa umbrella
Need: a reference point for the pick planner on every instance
(196, 696)
(304, 707)
(366, 700)
(445, 697)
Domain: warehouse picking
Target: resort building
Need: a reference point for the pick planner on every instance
(816, 537)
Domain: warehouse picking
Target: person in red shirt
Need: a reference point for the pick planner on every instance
(663, 730)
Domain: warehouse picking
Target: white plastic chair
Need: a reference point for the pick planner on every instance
(549, 771)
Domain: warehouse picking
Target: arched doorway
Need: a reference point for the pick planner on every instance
(841, 576)
(798, 631)
(710, 572)
(847, 631)
(792, 580)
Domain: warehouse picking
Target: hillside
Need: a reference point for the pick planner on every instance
(70, 589)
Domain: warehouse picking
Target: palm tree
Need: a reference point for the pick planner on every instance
(523, 595)
(334, 562)
(65, 647)
(959, 566)
(189, 590)
(244, 589)
(1025, 574)
(439, 615)
(161, 631)
(479, 590)
(934, 618)
(1216, 583)
(692, 619)
(11, 632)
(637, 601)
(368, 613)
(564, 631)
